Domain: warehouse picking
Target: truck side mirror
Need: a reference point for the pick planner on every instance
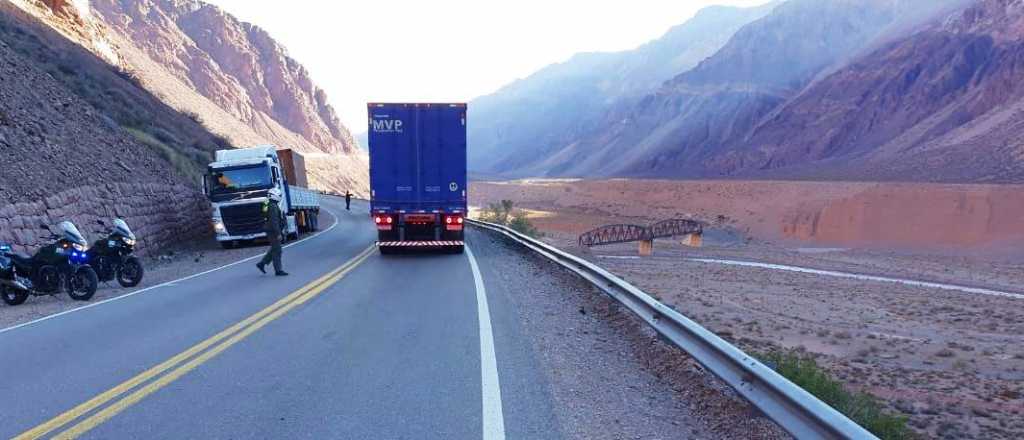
(205, 181)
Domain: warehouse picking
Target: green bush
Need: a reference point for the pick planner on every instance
(804, 371)
(505, 213)
(498, 213)
(521, 223)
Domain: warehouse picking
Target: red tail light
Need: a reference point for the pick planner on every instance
(453, 222)
(383, 221)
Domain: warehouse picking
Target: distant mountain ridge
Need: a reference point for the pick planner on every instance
(845, 89)
(943, 104)
(691, 120)
(538, 114)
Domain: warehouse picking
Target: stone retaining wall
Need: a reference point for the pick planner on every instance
(159, 215)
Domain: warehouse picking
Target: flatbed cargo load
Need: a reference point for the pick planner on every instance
(294, 166)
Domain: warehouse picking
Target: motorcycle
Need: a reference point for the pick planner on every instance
(112, 257)
(62, 264)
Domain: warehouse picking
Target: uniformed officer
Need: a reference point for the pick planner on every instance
(348, 200)
(272, 212)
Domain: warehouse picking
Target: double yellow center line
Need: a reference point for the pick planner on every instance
(179, 365)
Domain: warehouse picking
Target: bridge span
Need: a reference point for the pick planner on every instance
(690, 231)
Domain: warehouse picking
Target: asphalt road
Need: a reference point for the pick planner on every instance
(352, 345)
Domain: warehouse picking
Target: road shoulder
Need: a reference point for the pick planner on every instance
(609, 375)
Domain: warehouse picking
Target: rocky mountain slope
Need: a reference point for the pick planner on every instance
(847, 89)
(229, 75)
(550, 108)
(942, 104)
(236, 65)
(64, 154)
(685, 128)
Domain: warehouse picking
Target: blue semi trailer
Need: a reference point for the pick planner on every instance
(418, 175)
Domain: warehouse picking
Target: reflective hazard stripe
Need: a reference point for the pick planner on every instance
(419, 243)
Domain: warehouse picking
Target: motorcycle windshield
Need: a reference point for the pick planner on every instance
(121, 228)
(71, 233)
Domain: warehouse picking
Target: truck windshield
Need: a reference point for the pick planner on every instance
(236, 179)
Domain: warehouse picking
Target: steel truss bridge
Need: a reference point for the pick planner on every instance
(626, 233)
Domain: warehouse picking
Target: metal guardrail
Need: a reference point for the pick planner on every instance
(793, 408)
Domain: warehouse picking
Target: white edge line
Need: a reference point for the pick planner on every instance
(493, 419)
(165, 284)
(838, 274)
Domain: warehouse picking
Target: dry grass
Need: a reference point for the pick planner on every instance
(862, 408)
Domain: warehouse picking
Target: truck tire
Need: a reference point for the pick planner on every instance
(456, 250)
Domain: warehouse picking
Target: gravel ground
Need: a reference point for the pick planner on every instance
(611, 377)
(173, 264)
(950, 361)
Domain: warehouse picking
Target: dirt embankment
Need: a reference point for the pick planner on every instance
(64, 156)
(920, 215)
(957, 218)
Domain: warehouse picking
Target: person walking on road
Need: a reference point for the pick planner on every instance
(348, 200)
(273, 229)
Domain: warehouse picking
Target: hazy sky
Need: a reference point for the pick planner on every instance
(449, 50)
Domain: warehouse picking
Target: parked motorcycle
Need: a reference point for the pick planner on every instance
(112, 257)
(61, 265)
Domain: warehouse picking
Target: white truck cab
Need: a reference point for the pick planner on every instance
(237, 184)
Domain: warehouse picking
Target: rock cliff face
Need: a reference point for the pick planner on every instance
(74, 19)
(236, 65)
(229, 76)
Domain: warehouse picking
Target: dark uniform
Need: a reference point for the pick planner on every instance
(273, 230)
(348, 200)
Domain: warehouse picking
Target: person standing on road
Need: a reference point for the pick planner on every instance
(348, 200)
(273, 229)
